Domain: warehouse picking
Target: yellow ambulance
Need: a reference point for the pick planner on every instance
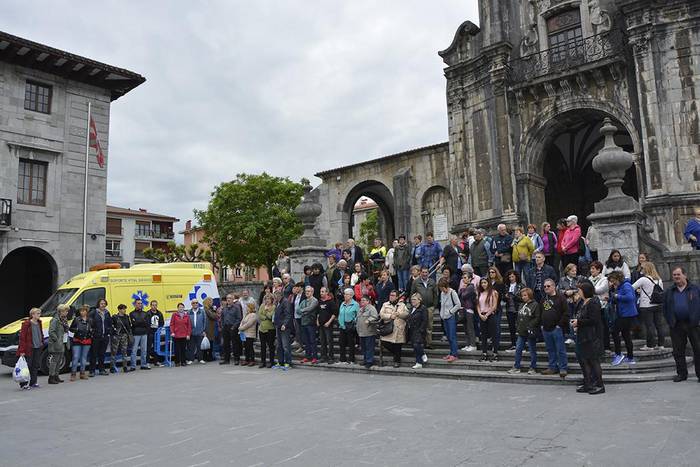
(168, 284)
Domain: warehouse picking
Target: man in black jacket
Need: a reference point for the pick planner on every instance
(231, 316)
(155, 318)
(101, 323)
(452, 256)
(536, 275)
(356, 253)
(283, 319)
(139, 327)
(555, 322)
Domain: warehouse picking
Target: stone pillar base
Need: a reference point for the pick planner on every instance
(618, 230)
(300, 256)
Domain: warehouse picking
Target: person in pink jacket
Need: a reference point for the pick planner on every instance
(181, 330)
(569, 243)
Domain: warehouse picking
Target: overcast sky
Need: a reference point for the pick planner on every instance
(287, 87)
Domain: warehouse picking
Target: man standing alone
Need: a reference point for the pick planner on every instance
(682, 311)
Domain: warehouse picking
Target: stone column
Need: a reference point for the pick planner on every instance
(310, 247)
(617, 217)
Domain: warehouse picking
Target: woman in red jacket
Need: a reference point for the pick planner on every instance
(31, 340)
(181, 330)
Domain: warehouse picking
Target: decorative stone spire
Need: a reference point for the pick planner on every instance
(612, 162)
(308, 210)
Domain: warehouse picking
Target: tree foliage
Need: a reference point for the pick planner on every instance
(250, 219)
(192, 253)
(369, 230)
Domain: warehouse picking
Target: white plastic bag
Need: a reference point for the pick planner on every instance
(21, 373)
(206, 345)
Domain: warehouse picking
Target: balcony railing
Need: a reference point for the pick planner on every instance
(113, 253)
(5, 212)
(567, 57)
(154, 234)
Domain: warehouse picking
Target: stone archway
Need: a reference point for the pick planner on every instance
(381, 195)
(556, 177)
(27, 278)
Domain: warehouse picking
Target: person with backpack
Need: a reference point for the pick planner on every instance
(449, 305)
(527, 327)
(651, 289)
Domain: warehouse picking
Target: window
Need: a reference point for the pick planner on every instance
(156, 230)
(113, 248)
(140, 246)
(143, 229)
(89, 297)
(31, 185)
(238, 272)
(37, 97)
(114, 226)
(565, 35)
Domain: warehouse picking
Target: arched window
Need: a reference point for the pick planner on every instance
(565, 35)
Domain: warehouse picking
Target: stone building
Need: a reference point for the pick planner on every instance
(43, 117)
(527, 91)
(130, 231)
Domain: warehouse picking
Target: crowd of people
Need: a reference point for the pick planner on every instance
(550, 284)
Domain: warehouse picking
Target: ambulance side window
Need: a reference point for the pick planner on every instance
(89, 297)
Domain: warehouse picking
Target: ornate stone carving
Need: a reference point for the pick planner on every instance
(528, 44)
(307, 211)
(600, 19)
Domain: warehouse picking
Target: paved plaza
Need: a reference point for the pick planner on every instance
(213, 415)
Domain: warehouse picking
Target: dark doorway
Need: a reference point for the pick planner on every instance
(27, 278)
(573, 187)
(377, 193)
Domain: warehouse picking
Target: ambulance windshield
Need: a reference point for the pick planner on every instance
(58, 297)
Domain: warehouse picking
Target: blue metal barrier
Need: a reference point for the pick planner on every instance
(162, 345)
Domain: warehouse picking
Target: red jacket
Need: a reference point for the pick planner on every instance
(25, 338)
(180, 326)
(569, 244)
(560, 237)
(371, 293)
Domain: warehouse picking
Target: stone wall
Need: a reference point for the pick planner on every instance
(254, 287)
(57, 138)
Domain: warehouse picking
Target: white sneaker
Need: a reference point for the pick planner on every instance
(417, 366)
(465, 348)
(644, 347)
(424, 358)
(569, 342)
(189, 362)
(471, 348)
(661, 347)
(531, 371)
(202, 362)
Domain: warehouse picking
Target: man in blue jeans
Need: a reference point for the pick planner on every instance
(555, 322)
(140, 325)
(198, 321)
(283, 319)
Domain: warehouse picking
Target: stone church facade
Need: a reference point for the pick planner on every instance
(527, 92)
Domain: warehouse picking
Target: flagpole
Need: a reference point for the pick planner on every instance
(85, 189)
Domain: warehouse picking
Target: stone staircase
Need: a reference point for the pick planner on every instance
(652, 365)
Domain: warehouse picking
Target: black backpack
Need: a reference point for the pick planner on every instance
(657, 295)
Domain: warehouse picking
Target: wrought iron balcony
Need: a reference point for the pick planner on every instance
(5, 212)
(568, 58)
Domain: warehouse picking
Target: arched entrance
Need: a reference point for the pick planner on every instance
(27, 278)
(562, 155)
(380, 194)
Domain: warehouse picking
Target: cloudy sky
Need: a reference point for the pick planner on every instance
(291, 87)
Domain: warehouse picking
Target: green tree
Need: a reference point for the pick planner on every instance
(250, 219)
(369, 230)
(191, 253)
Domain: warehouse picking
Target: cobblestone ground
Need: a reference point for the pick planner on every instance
(213, 415)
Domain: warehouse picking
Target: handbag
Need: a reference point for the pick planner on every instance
(384, 328)
(350, 326)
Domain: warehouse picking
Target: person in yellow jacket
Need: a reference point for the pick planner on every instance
(522, 249)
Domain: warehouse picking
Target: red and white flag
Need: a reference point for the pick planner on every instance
(95, 143)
